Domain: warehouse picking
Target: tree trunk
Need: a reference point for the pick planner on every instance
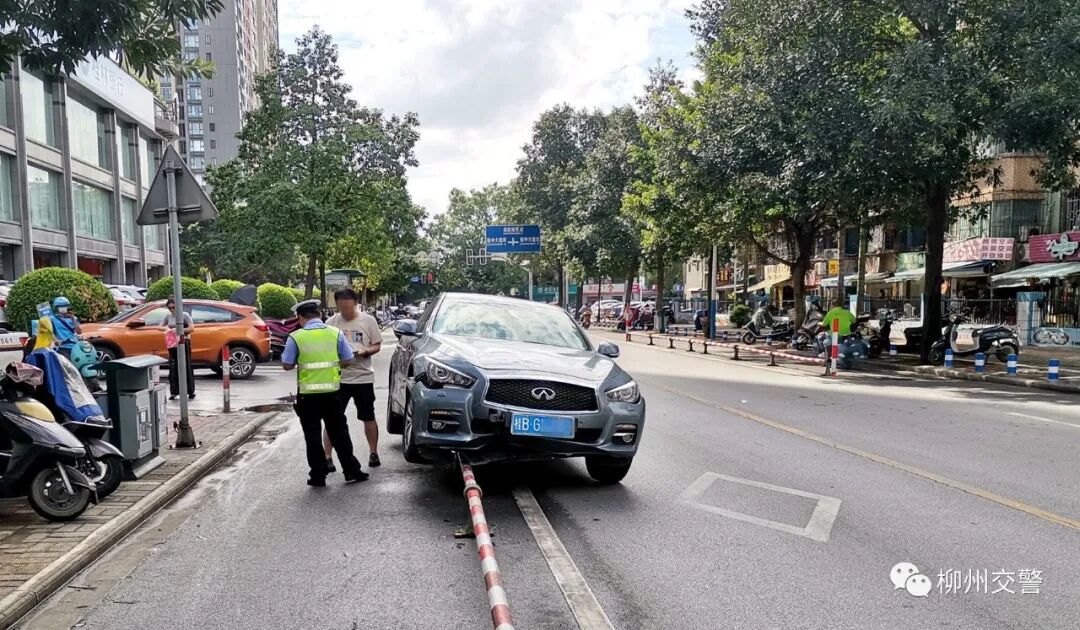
(746, 274)
(628, 285)
(580, 296)
(798, 283)
(841, 289)
(659, 322)
(937, 209)
(309, 277)
(322, 281)
(860, 283)
(562, 286)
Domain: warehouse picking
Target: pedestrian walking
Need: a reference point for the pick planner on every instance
(358, 377)
(320, 351)
(173, 343)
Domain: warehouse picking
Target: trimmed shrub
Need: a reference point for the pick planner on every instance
(740, 315)
(90, 299)
(276, 301)
(299, 293)
(225, 288)
(193, 288)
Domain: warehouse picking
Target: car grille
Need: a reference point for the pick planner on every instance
(519, 393)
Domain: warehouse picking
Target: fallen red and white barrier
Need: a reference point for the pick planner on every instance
(500, 605)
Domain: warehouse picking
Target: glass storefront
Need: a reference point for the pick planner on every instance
(44, 188)
(93, 212)
(129, 212)
(7, 197)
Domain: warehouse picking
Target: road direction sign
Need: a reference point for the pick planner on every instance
(191, 201)
(513, 239)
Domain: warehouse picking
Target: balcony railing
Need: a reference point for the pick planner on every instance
(166, 118)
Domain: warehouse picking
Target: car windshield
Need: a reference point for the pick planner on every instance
(527, 323)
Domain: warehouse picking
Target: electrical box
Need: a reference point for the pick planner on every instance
(134, 433)
(133, 405)
(159, 402)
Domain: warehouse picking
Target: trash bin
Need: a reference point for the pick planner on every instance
(130, 404)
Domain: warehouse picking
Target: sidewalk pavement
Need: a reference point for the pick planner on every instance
(37, 557)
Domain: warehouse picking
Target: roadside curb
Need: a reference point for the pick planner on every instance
(23, 599)
(1015, 381)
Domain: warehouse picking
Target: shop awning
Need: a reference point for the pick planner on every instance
(1040, 272)
(966, 269)
(849, 281)
(765, 284)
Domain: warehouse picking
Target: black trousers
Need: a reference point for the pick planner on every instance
(315, 410)
(174, 372)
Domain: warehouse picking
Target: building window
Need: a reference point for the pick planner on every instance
(209, 57)
(196, 162)
(38, 108)
(4, 119)
(194, 93)
(213, 144)
(93, 212)
(209, 92)
(86, 133)
(207, 39)
(166, 93)
(195, 129)
(196, 146)
(153, 237)
(191, 41)
(149, 151)
(44, 197)
(127, 151)
(193, 24)
(213, 160)
(190, 55)
(194, 111)
(213, 127)
(7, 198)
(210, 110)
(129, 212)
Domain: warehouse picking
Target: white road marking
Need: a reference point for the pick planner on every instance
(1024, 415)
(583, 604)
(817, 528)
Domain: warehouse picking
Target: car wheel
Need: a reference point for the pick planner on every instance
(105, 353)
(241, 362)
(608, 470)
(408, 436)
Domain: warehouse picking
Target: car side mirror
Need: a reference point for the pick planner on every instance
(405, 328)
(608, 350)
(136, 323)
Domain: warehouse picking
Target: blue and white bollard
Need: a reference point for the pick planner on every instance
(1012, 365)
(980, 362)
(892, 350)
(948, 358)
(1052, 370)
(768, 340)
(723, 335)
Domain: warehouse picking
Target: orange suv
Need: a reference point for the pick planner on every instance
(217, 325)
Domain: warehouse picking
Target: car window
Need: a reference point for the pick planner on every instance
(526, 323)
(201, 314)
(155, 316)
(421, 323)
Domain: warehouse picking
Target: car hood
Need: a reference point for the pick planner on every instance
(493, 355)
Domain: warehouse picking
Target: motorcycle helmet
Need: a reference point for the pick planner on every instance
(61, 304)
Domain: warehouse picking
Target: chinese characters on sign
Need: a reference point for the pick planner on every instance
(975, 249)
(512, 239)
(905, 575)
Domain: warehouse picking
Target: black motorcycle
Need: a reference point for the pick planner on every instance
(878, 339)
(804, 337)
(763, 326)
(1001, 341)
(38, 457)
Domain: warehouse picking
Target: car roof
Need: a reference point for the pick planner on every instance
(496, 300)
(219, 303)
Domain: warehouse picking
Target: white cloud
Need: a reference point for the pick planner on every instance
(479, 72)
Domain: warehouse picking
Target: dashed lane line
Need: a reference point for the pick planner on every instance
(1032, 510)
(1024, 415)
(583, 604)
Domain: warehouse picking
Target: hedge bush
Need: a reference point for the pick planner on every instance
(276, 301)
(740, 315)
(91, 300)
(225, 288)
(193, 288)
(299, 293)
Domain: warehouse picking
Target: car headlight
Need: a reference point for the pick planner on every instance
(627, 393)
(436, 373)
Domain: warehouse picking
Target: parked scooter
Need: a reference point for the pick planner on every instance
(852, 348)
(38, 457)
(806, 334)
(67, 397)
(998, 340)
(878, 339)
(280, 329)
(763, 326)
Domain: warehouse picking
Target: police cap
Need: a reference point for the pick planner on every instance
(308, 308)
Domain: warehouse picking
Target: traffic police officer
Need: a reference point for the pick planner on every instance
(320, 351)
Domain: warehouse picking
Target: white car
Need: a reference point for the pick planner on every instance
(124, 301)
(4, 290)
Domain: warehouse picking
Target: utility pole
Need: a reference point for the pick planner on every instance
(185, 436)
(712, 293)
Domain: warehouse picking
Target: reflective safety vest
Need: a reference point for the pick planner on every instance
(317, 360)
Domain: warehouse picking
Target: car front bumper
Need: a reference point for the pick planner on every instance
(481, 429)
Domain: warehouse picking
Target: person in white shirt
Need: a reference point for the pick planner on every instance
(358, 377)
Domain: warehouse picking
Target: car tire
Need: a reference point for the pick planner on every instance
(105, 353)
(408, 436)
(241, 362)
(608, 470)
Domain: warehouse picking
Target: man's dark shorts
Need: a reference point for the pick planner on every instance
(363, 396)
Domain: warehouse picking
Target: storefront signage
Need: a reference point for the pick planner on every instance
(607, 288)
(777, 272)
(1055, 247)
(910, 260)
(834, 266)
(114, 85)
(978, 249)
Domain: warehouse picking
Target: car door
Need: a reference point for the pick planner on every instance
(211, 332)
(149, 338)
(403, 356)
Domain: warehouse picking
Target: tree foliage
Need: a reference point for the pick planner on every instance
(192, 288)
(275, 300)
(90, 300)
(225, 288)
(55, 35)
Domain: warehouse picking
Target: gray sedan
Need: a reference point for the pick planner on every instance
(499, 378)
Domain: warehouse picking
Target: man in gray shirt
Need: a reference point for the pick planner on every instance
(174, 371)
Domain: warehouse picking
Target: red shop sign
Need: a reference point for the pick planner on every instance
(1063, 247)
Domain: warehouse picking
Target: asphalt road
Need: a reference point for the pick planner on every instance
(762, 497)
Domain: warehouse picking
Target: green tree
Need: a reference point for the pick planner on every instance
(192, 288)
(54, 36)
(225, 288)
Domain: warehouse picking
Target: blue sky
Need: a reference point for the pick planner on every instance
(478, 72)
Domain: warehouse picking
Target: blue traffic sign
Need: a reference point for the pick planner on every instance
(513, 239)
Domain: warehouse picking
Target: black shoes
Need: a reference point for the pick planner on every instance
(316, 483)
(373, 460)
(330, 465)
(356, 477)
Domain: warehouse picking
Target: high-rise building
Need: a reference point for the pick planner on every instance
(240, 40)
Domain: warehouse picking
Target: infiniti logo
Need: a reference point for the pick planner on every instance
(543, 393)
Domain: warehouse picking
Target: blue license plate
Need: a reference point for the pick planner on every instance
(542, 426)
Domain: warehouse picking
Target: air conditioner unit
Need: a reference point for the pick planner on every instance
(1023, 231)
(1023, 252)
(829, 254)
